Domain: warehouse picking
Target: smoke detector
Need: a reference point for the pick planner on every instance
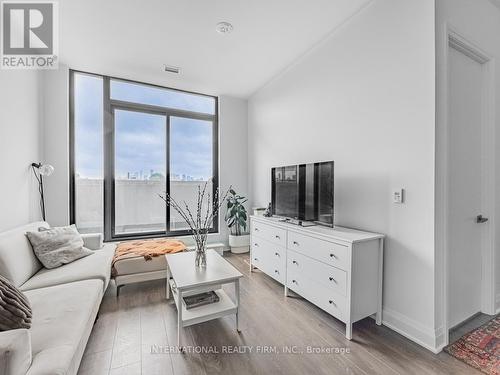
(224, 27)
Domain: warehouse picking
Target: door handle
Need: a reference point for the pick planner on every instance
(480, 219)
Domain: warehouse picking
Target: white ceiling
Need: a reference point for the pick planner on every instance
(133, 39)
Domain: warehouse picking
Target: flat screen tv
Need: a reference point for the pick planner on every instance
(304, 192)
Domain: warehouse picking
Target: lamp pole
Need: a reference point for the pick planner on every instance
(40, 170)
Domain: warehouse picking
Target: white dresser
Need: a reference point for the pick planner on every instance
(338, 269)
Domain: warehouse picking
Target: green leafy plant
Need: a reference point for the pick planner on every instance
(236, 214)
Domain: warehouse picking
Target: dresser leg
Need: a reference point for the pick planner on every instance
(348, 331)
(286, 291)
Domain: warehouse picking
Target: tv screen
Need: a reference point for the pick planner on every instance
(286, 191)
(304, 192)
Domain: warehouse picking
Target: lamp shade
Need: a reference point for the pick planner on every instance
(46, 169)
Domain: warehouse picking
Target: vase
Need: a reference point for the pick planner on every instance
(201, 258)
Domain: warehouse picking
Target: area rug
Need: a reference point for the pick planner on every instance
(480, 348)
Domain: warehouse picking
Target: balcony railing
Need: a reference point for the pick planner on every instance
(138, 207)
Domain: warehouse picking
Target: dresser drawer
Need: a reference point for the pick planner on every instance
(270, 248)
(325, 298)
(269, 258)
(329, 276)
(278, 274)
(257, 257)
(325, 251)
(269, 233)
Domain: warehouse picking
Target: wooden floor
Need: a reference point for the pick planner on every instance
(141, 319)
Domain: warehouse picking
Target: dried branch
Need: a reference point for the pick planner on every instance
(202, 221)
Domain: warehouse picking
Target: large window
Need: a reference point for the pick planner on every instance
(130, 142)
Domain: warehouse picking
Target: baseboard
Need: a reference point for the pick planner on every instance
(497, 302)
(430, 339)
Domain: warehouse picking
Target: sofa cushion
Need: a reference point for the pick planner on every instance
(95, 266)
(57, 246)
(15, 351)
(139, 264)
(17, 259)
(63, 317)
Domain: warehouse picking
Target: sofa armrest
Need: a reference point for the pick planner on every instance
(92, 241)
(15, 352)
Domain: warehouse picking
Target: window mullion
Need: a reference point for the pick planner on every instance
(167, 179)
(108, 160)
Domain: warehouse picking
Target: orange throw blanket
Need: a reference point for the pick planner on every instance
(147, 249)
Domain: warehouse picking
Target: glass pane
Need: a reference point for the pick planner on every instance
(140, 170)
(190, 164)
(151, 95)
(88, 126)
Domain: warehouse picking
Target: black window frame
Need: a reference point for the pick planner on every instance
(109, 106)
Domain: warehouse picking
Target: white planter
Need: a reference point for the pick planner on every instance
(239, 244)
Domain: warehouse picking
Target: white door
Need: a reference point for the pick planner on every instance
(465, 186)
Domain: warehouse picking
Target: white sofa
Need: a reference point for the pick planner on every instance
(65, 302)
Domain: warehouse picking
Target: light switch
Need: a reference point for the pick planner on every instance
(397, 196)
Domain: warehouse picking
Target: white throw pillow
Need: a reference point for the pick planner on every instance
(57, 246)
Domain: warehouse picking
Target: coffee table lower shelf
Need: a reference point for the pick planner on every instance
(201, 314)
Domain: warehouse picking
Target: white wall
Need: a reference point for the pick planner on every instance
(233, 150)
(56, 143)
(19, 147)
(365, 99)
(479, 22)
(232, 147)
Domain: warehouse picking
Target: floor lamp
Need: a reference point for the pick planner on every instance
(40, 170)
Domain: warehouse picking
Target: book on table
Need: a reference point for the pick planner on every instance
(200, 299)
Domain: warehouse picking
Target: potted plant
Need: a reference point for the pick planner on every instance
(236, 219)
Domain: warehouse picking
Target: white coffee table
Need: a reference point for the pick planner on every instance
(184, 279)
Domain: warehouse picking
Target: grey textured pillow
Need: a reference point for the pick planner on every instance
(15, 309)
(57, 246)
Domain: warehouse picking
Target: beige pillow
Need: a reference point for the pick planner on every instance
(57, 246)
(15, 309)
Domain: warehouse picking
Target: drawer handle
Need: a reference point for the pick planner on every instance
(332, 303)
(294, 281)
(257, 259)
(256, 244)
(277, 254)
(256, 229)
(276, 271)
(332, 279)
(295, 262)
(295, 243)
(332, 255)
(278, 237)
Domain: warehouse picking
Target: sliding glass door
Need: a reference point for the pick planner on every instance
(140, 171)
(191, 164)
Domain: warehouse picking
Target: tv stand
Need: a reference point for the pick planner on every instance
(337, 269)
